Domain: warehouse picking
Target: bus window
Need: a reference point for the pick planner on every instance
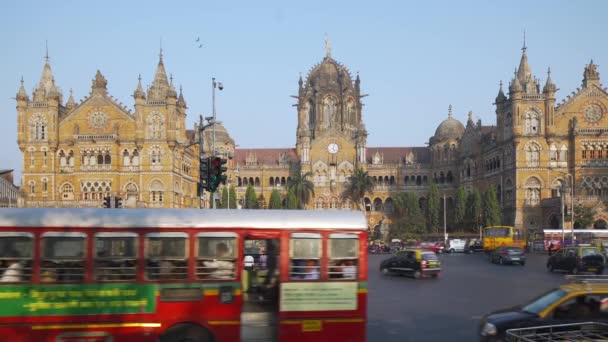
(166, 256)
(15, 257)
(216, 256)
(343, 256)
(305, 255)
(115, 256)
(62, 257)
(497, 232)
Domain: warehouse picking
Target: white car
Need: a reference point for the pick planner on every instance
(456, 245)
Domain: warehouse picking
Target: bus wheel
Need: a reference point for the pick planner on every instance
(186, 332)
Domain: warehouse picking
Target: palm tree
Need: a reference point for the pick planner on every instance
(301, 186)
(360, 184)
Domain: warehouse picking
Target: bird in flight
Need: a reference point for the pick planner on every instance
(198, 38)
(200, 46)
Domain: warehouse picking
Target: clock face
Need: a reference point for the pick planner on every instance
(98, 119)
(593, 113)
(333, 148)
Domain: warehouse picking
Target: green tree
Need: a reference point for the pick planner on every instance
(583, 216)
(474, 210)
(275, 200)
(359, 184)
(410, 222)
(302, 187)
(432, 209)
(292, 201)
(251, 199)
(232, 201)
(224, 201)
(491, 209)
(460, 206)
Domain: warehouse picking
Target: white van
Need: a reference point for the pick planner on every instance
(456, 245)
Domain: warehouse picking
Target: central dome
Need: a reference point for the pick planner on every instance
(450, 128)
(328, 73)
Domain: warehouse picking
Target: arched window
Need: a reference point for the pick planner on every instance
(38, 128)
(553, 153)
(533, 154)
(532, 123)
(368, 204)
(450, 177)
(271, 181)
(135, 158)
(155, 156)
(533, 187)
(156, 192)
(71, 158)
(392, 180)
(45, 185)
(155, 126)
(107, 159)
(62, 159)
(563, 154)
(389, 207)
(126, 159)
(67, 192)
(257, 181)
(377, 204)
(32, 185)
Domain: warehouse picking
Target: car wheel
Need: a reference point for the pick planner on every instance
(574, 271)
(523, 263)
(500, 261)
(385, 271)
(550, 268)
(452, 250)
(417, 274)
(435, 275)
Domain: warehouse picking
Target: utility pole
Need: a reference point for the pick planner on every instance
(201, 152)
(445, 231)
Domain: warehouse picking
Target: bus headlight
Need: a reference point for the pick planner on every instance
(489, 329)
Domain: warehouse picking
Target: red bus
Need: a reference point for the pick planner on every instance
(182, 275)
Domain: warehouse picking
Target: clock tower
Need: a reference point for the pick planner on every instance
(331, 137)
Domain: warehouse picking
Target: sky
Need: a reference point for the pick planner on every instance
(415, 58)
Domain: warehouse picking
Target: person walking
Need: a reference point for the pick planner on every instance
(550, 248)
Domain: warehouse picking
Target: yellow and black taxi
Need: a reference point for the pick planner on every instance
(581, 299)
(415, 262)
(576, 259)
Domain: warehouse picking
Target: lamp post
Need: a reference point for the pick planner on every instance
(220, 86)
(445, 232)
(571, 179)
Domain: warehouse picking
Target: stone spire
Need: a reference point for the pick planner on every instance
(139, 92)
(180, 100)
(591, 75)
(549, 86)
(71, 103)
(327, 47)
(46, 87)
(524, 73)
(99, 84)
(501, 95)
(450, 111)
(515, 86)
(171, 91)
(160, 85)
(22, 94)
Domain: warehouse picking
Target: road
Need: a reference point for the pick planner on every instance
(448, 309)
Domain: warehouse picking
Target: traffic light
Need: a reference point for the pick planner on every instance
(216, 173)
(204, 173)
(117, 202)
(107, 202)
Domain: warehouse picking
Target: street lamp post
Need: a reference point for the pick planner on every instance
(571, 179)
(445, 232)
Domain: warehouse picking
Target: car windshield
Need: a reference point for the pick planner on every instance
(514, 250)
(540, 303)
(589, 251)
(429, 256)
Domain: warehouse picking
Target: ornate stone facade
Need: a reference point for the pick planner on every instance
(75, 154)
(527, 155)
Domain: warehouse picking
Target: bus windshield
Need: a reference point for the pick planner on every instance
(497, 232)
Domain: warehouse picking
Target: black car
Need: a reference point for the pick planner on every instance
(416, 262)
(508, 255)
(577, 259)
(473, 246)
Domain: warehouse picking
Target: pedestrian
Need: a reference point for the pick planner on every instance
(550, 248)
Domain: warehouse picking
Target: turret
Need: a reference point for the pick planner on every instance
(22, 98)
(591, 76)
(515, 87)
(71, 104)
(549, 91)
(99, 85)
(500, 98)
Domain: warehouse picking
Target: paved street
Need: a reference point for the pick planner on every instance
(448, 309)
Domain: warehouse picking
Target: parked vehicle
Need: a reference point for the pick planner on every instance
(577, 259)
(415, 262)
(582, 299)
(436, 247)
(456, 245)
(508, 255)
(473, 245)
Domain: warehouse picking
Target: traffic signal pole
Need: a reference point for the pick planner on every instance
(201, 160)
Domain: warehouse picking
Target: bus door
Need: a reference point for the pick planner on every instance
(261, 251)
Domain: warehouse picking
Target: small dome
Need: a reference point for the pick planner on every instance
(450, 128)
